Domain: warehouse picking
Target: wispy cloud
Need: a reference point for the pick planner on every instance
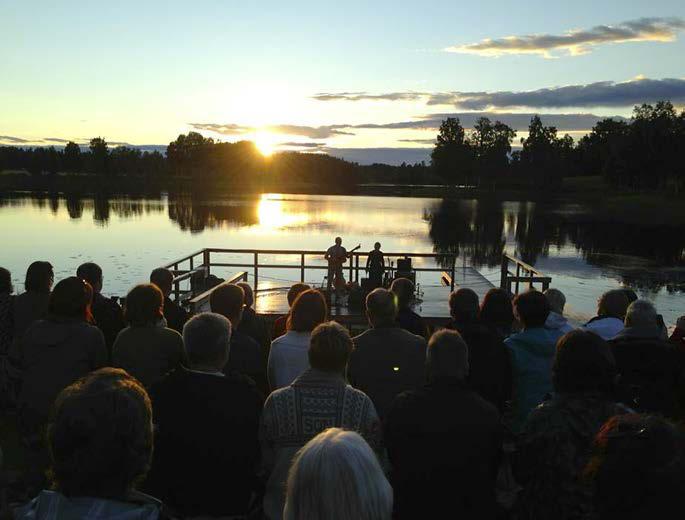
(365, 96)
(601, 93)
(418, 141)
(310, 132)
(13, 140)
(578, 41)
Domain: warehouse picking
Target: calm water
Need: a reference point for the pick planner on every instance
(130, 236)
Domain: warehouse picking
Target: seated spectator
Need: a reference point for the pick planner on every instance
(318, 399)
(497, 313)
(556, 319)
(252, 324)
(146, 349)
(33, 304)
(678, 336)
(646, 363)
(206, 428)
(9, 375)
(403, 289)
(489, 361)
(288, 357)
(386, 359)
(444, 440)
(281, 321)
(337, 476)
(58, 350)
(554, 447)
(106, 312)
(611, 310)
(638, 469)
(532, 355)
(100, 440)
(175, 315)
(245, 356)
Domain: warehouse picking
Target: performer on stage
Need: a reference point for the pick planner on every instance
(375, 265)
(336, 256)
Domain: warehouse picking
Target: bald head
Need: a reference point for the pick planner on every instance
(447, 356)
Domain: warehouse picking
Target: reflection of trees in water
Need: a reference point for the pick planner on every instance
(74, 207)
(476, 231)
(195, 215)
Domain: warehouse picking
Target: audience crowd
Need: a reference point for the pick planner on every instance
(506, 411)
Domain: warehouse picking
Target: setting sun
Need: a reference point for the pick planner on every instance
(265, 142)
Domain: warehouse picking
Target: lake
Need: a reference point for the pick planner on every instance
(129, 236)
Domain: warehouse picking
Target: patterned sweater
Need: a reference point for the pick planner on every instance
(295, 414)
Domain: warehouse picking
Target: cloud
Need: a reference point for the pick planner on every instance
(12, 139)
(294, 144)
(365, 96)
(55, 140)
(418, 141)
(601, 93)
(311, 132)
(577, 42)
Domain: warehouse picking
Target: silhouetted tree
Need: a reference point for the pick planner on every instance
(491, 144)
(72, 157)
(452, 158)
(99, 156)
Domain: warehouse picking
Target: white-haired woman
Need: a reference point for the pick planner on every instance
(336, 476)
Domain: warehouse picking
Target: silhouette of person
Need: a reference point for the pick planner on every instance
(375, 265)
(336, 255)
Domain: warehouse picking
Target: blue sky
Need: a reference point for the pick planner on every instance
(143, 72)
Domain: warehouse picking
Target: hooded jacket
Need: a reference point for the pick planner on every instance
(54, 353)
(606, 327)
(556, 321)
(532, 356)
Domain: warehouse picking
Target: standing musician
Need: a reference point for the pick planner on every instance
(336, 256)
(375, 266)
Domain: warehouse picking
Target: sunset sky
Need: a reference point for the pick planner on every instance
(350, 78)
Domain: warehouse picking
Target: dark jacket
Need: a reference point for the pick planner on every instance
(55, 352)
(254, 326)
(443, 442)
(148, 352)
(206, 442)
(489, 362)
(409, 320)
(27, 308)
(553, 450)
(648, 370)
(108, 318)
(245, 357)
(385, 362)
(175, 315)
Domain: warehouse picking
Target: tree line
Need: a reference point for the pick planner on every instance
(640, 154)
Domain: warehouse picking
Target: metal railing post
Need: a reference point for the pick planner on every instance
(504, 273)
(206, 262)
(256, 270)
(302, 268)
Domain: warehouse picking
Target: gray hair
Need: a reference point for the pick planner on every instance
(381, 306)
(447, 356)
(207, 338)
(556, 300)
(641, 313)
(336, 476)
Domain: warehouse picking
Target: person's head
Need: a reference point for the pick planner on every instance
(583, 364)
(556, 300)
(447, 356)
(248, 293)
(637, 468)
(329, 347)
(100, 435)
(336, 476)
(295, 291)
(309, 310)
(404, 290)
(377, 246)
(338, 241)
(641, 314)
(5, 281)
(39, 277)
(496, 309)
(464, 305)
(531, 309)
(144, 305)
(162, 278)
(613, 304)
(71, 298)
(228, 300)
(91, 273)
(207, 339)
(381, 307)
(630, 294)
